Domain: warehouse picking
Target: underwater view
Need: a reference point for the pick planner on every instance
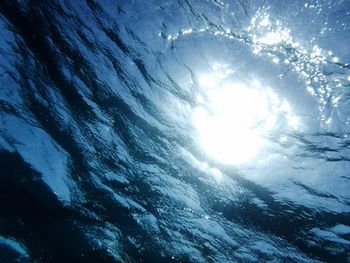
(174, 131)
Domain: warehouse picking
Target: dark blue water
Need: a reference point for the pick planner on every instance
(174, 131)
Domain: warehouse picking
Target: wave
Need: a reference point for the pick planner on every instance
(104, 157)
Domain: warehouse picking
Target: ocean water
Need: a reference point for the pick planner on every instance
(174, 131)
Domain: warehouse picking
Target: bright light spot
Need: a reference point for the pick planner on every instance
(275, 37)
(349, 78)
(231, 129)
(292, 120)
(270, 38)
(187, 31)
(207, 80)
(295, 45)
(311, 90)
(256, 49)
(275, 60)
(285, 106)
(335, 60)
(218, 73)
(265, 22)
(204, 167)
(283, 139)
(215, 173)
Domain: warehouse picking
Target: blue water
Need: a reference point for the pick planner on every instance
(104, 160)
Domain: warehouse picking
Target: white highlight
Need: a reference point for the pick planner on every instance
(272, 38)
(230, 131)
(213, 172)
(265, 22)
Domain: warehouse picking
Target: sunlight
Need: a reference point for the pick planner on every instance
(230, 130)
(271, 38)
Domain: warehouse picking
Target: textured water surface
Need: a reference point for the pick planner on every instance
(184, 131)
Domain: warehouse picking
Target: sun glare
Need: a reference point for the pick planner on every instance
(232, 123)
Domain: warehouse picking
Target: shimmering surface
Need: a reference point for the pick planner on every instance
(185, 131)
